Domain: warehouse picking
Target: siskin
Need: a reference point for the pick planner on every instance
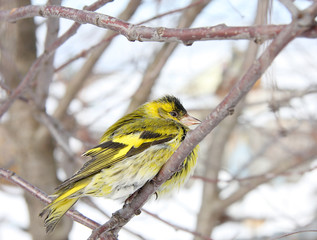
(131, 152)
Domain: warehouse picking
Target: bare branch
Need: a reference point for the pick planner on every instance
(9, 91)
(268, 175)
(176, 226)
(28, 78)
(294, 233)
(45, 76)
(84, 53)
(192, 4)
(38, 193)
(78, 80)
(57, 132)
(291, 7)
(135, 32)
(277, 170)
(95, 206)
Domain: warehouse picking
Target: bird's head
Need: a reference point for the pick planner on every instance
(169, 107)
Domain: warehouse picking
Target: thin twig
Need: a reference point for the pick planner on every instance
(294, 233)
(154, 68)
(91, 203)
(29, 77)
(193, 4)
(85, 52)
(81, 76)
(291, 7)
(9, 91)
(176, 226)
(57, 131)
(268, 175)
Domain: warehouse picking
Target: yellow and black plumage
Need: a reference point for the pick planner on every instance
(131, 152)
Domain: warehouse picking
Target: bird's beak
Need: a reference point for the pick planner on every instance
(188, 120)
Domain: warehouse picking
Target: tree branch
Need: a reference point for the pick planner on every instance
(85, 52)
(38, 193)
(290, 7)
(28, 78)
(135, 32)
(196, 234)
(294, 233)
(122, 216)
(78, 80)
(277, 170)
(45, 76)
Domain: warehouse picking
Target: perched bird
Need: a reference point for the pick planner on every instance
(131, 152)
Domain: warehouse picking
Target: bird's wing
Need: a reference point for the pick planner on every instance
(129, 140)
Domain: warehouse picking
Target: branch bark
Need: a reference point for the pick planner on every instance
(39, 194)
(135, 32)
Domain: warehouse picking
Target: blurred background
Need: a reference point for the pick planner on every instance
(256, 175)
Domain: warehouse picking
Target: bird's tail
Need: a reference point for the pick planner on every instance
(55, 211)
(59, 206)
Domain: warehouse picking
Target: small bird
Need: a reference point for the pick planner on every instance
(130, 153)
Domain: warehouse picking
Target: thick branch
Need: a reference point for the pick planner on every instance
(135, 32)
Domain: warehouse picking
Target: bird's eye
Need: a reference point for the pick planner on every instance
(173, 114)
